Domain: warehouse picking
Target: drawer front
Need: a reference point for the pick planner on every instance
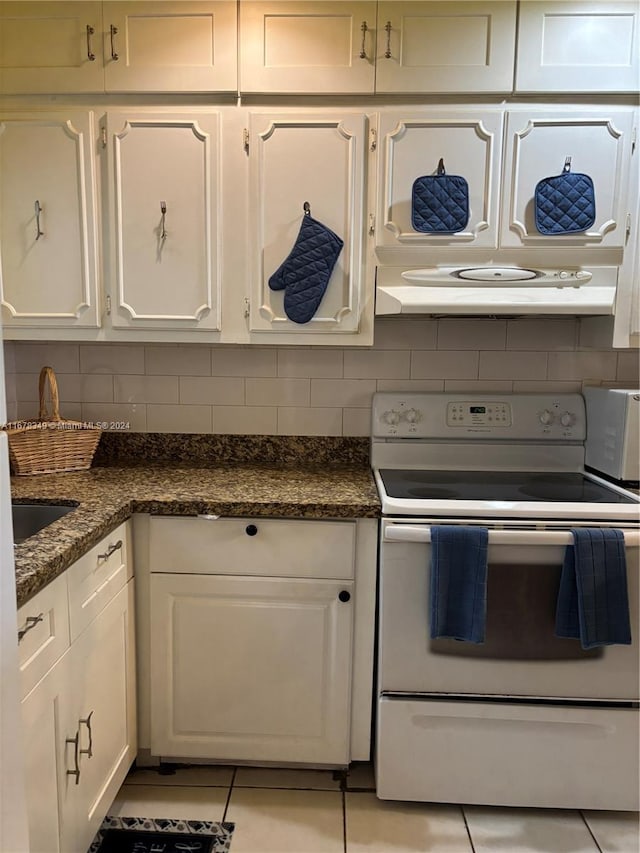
(43, 633)
(507, 755)
(96, 577)
(253, 546)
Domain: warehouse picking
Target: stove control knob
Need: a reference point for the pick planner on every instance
(547, 417)
(391, 417)
(412, 416)
(567, 419)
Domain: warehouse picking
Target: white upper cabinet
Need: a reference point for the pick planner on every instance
(48, 263)
(439, 47)
(320, 159)
(538, 144)
(307, 47)
(411, 145)
(578, 46)
(170, 47)
(51, 47)
(164, 239)
(155, 46)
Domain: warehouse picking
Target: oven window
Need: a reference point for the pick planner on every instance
(521, 608)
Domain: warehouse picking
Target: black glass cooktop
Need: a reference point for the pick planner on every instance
(497, 486)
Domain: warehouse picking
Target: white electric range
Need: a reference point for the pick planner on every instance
(524, 718)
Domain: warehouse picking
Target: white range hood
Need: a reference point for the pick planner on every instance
(491, 290)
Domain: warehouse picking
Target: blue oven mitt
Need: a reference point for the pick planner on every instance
(305, 272)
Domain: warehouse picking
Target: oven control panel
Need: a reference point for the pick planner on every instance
(510, 417)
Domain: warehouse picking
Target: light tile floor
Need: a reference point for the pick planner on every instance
(318, 811)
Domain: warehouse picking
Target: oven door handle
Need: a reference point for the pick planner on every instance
(422, 533)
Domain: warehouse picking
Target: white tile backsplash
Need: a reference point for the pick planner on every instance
(306, 390)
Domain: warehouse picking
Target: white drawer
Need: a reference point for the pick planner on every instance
(97, 576)
(43, 633)
(253, 546)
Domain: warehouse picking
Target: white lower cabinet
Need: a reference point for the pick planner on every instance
(260, 639)
(79, 720)
(254, 669)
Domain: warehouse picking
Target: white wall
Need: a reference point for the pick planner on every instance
(303, 390)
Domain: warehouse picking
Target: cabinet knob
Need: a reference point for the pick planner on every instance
(251, 530)
(343, 595)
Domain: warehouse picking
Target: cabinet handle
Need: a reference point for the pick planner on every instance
(87, 722)
(38, 211)
(251, 530)
(30, 622)
(110, 550)
(343, 595)
(76, 744)
(90, 54)
(113, 31)
(363, 30)
(163, 211)
(387, 53)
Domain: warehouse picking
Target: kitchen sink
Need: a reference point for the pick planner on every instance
(30, 518)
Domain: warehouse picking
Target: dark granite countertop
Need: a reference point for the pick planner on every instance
(108, 496)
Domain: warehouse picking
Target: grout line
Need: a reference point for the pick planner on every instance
(226, 805)
(466, 826)
(586, 823)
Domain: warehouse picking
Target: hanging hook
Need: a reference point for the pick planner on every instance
(163, 211)
(38, 210)
(307, 208)
(567, 164)
(441, 170)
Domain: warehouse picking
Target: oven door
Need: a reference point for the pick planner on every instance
(521, 656)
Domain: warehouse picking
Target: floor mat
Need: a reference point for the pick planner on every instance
(149, 835)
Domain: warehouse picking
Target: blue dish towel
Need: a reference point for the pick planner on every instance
(593, 601)
(459, 582)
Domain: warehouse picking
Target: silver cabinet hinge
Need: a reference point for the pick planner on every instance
(247, 306)
(634, 139)
(627, 230)
(373, 136)
(245, 140)
(372, 223)
(103, 136)
(108, 306)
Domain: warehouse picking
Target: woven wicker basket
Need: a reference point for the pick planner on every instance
(50, 444)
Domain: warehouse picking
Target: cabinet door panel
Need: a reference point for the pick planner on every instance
(298, 47)
(49, 258)
(319, 159)
(538, 142)
(47, 47)
(47, 723)
(411, 146)
(577, 46)
(445, 47)
(105, 711)
(171, 47)
(250, 668)
(172, 161)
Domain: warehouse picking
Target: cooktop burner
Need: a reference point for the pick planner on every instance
(567, 487)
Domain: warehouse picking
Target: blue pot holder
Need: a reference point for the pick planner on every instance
(305, 272)
(440, 203)
(565, 203)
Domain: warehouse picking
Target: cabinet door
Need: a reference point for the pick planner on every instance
(538, 143)
(578, 46)
(47, 723)
(319, 159)
(250, 669)
(104, 704)
(469, 143)
(50, 47)
(307, 47)
(164, 266)
(171, 47)
(445, 46)
(49, 267)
